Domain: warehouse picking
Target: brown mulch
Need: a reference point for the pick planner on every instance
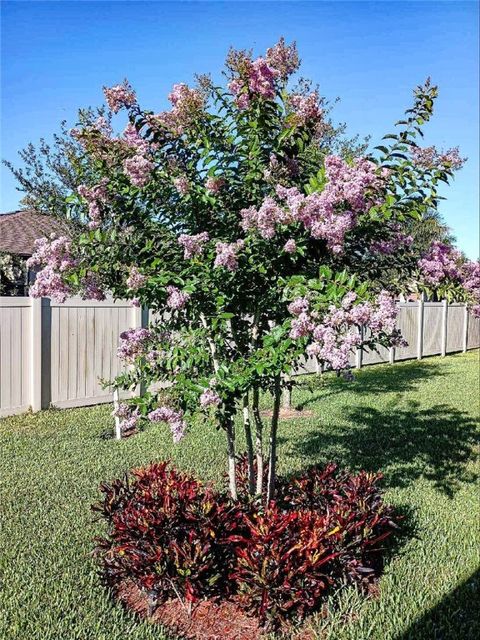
(207, 620)
(288, 413)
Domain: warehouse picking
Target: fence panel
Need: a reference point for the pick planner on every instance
(432, 328)
(15, 355)
(84, 341)
(52, 354)
(455, 327)
(473, 335)
(407, 322)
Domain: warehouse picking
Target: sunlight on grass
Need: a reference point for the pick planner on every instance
(414, 421)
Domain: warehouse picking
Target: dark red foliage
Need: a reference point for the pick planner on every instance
(166, 532)
(173, 536)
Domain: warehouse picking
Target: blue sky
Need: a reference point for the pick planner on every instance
(57, 55)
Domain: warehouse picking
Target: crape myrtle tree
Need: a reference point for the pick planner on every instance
(254, 244)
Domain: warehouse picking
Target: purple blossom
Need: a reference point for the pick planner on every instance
(290, 246)
(128, 418)
(54, 258)
(120, 96)
(431, 158)
(193, 245)
(136, 280)
(301, 326)
(188, 105)
(328, 215)
(91, 287)
(96, 197)
(135, 140)
(227, 254)
(337, 334)
(182, 185)
(50, 284)
(214, 184)
(440, 264)
(298, 306)
(209, 398)
(133, 343)
(173, 418)
(305, 109)
(251, 77)
(138, 169)
(176, 299)
(283, 58)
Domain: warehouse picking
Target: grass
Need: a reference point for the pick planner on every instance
(416, 421)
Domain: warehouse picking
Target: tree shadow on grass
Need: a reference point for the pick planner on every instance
(373, 380)
(405, 444)
(456, 617)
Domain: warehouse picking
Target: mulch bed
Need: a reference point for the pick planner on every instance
(207, 620)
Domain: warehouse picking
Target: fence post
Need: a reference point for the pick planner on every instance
(391, 355)
(36, 354)
(359, 353)
(465, 328)
(287, 393)
(420, 329)
(139, 321)
(444, 327)
(116, 404)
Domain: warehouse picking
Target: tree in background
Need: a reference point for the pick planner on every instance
(254, 238)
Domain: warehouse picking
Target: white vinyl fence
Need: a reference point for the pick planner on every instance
(56, 354)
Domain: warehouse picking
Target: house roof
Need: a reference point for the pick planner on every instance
(20, 229)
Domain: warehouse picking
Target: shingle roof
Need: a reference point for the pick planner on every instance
(20, 229)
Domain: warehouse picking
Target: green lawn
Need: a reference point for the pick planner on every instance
(415, 421)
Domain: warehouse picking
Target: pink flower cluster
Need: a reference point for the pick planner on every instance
(284, 58)
(259, 77)
(138, 169)
(177, 299)
(54, 257)
(193, 245)
(430, 158)
(182, 185)
(333, 339)
(397, 241)
(173, 418)
(290, 246)
(95, 196)
(188, 105)
(128, 418)
(91, 287)
(136, 280)
(305, 109)
(440, 263)
(135, 140)
(327, 215)
(209, 398)
(214, 184)
(471, 283)
(133, 343)
(120, 96)
(265, 219)
(227, 254)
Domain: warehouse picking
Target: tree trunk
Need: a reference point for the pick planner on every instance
(287, 393)
(232, 476)
(248, 438)
(277, 396)
(229, 428)
(258, 440)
